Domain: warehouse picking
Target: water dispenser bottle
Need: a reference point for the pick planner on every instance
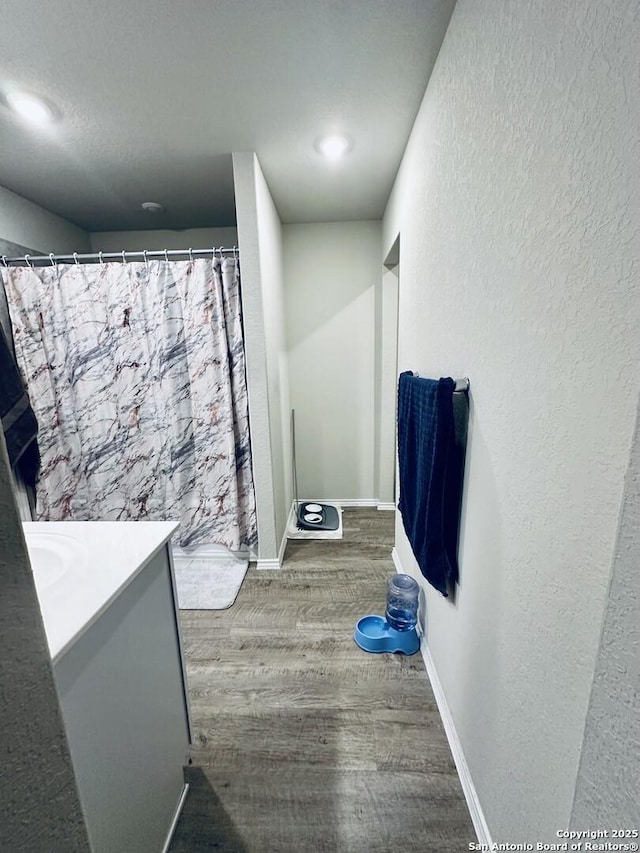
(402, 602)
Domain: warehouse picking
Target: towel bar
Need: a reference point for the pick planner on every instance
(461, 384)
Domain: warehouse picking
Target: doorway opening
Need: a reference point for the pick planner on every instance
(386, 373)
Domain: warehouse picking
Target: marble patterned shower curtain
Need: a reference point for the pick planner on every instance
(136, 373)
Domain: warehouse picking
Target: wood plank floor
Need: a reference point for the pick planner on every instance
(303, 743)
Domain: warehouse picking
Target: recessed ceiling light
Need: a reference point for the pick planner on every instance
(30, 107)
(334, 146)
(152, 207)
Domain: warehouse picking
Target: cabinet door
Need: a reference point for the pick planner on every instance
(121, 690)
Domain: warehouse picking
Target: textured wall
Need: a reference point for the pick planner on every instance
(518, 203)
(260, 243)
(135, 241)
(386, 368)
(609, 777)
(271, 273)
(331, 272)
(26, 223)
(39, 807)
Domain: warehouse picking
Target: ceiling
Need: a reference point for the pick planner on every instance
(152, 97)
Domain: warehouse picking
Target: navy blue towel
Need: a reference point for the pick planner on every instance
(18, 420)
(430, 476)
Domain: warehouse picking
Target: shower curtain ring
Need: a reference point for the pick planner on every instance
(166, 256)
(75, 258)
(4, 261)
(191, 255)
(28, 262)
(52, 259)
(124, 260)
(101, 258)
(146, 260)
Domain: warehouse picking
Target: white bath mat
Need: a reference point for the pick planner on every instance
(208, 584)
(293, 531)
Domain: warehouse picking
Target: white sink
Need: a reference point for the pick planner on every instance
(54, 557)
(80, 567)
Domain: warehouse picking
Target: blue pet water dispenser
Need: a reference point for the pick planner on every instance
(396, 630)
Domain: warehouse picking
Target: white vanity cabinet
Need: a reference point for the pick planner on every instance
(122, 690)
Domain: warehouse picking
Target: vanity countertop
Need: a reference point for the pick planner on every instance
(80, 567)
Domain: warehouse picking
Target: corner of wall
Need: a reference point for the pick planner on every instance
(608, 775)
(260, 242)
(255, 348)
(28, 224)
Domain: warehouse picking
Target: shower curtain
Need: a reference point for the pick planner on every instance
(136, 373)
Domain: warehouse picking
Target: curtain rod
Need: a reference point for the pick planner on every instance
(100, 257)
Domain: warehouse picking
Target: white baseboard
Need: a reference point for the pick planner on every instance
(470, 794)
(464, 774)
(207, 552)
(385, 507)
(396, 561)
(262, 565)
(275, 562)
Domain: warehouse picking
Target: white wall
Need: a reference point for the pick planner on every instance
(609, 777)
(26, 224)
(331, 273)
(260, 242)
(517, 202)
(386, 369)
(190, 238)
(270, 236)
